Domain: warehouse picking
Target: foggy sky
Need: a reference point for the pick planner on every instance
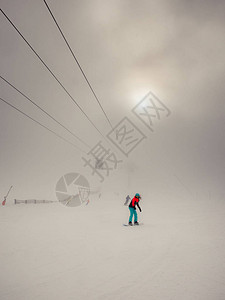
(173, 48)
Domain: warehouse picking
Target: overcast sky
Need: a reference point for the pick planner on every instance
(174, 49)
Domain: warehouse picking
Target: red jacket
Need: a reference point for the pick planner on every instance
(134, 202)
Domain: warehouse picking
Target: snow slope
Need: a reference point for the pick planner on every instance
(50, 251)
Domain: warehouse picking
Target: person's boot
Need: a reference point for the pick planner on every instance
(136, 223)
(130, 223)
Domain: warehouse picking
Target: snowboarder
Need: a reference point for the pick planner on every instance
(132, 208)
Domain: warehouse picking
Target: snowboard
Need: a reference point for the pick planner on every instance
(127, 225)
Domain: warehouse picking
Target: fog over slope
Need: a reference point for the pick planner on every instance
(173, 49)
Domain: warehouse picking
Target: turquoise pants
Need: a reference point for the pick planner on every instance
(133, 213)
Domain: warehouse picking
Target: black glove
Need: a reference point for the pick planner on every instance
(138, 207)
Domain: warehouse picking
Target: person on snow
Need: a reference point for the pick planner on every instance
(127, 200)
(132, 208)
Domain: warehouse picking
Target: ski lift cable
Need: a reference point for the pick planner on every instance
(59, 136)
(25, 96)
(59, 82)
(76, 60)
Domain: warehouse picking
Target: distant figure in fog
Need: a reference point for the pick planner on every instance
(127, 200)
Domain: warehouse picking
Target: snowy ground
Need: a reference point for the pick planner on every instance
(53, 252)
